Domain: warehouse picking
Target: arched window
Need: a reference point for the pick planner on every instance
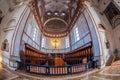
(49, 13)
(43, 42)
(63, 14)
(67, 42)
(34, 34)
(56, 13)
(76, 34)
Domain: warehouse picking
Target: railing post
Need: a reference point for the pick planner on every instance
(69, 69)
(95, 64)
(87, 67)
(47, 70)
(27, 66)
(18, 64)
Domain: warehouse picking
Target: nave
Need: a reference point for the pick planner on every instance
(59, 39)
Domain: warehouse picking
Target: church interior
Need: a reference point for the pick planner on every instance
(59, 39)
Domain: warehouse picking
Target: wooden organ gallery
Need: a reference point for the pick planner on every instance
(59, 37)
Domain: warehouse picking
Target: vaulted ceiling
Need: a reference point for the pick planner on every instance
(57, 13)
(57, 16)
(57, 5)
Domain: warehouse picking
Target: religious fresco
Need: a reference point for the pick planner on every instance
(112, 13)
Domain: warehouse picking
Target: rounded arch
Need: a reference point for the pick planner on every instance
(55, 25)
(56, 19)
(18, 32)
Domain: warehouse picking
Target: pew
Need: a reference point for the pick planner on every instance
(32, 55)
(38, 62)
(78, 55)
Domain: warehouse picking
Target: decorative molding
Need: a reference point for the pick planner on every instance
(116, 20)
(9, 29)
(34, 9)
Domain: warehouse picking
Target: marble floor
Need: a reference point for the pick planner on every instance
(108, 73)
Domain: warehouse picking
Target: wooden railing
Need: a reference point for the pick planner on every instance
(64, 50)
(34, 61)
(55, 70)
(32, 55)
(83, 52)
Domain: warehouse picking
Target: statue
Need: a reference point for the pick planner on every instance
(5, 45)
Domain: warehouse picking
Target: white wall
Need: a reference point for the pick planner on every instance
(32, 32)
(18, 35)
(83, 30)
(4, 8)
(94, 21)
(116, 33)
(50, 45)
(8, 29)
(112, 35)
(103, 4)
(104, 35)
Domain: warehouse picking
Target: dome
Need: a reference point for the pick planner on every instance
(55, 25)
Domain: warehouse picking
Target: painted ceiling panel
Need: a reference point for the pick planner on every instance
(55, 25)
(55, 5)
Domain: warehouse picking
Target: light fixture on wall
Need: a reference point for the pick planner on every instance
(0, 57)
(107, 44)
